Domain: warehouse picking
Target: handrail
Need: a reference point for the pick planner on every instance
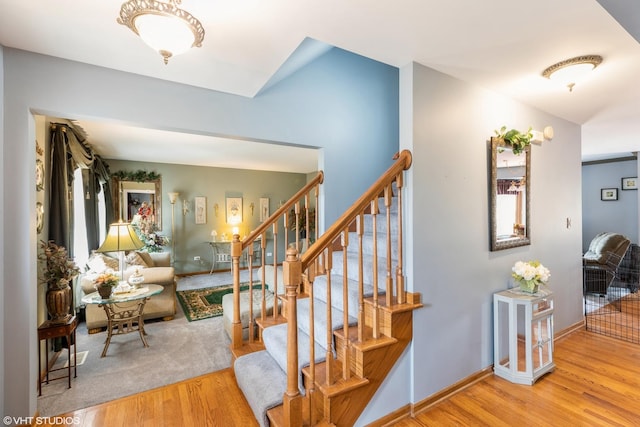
(238, 246)
(403, 162)
(318, 179)
(319, 257)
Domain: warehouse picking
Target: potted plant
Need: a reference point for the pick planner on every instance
(516, 139)
(105, 283)
(302, 222)
(59, 271)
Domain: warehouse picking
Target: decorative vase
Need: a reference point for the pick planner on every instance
(529, 289)
(105, 291)
(136, 279)
(58, 303)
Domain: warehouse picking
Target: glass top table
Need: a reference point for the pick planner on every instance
(124, 311)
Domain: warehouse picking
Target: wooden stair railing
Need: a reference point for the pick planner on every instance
(383, 327)
(300, 212)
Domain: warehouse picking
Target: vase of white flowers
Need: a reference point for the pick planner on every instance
(530, 275)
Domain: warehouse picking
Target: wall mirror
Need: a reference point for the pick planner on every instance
(131, 196)
(509, 204)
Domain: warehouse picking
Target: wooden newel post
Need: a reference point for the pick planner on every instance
(236, 252)
(292, 275)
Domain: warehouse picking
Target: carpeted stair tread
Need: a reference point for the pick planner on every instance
(275, 342)
(367, 268)
(320, 319)
(262, 382)
(320, 292)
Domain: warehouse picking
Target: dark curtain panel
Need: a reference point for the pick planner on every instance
(91, 192)
(97, 183)
(104, 177)
(61, 179)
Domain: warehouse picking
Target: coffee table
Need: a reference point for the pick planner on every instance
(124, 311)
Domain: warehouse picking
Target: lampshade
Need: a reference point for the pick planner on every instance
(166, 28)
(121, 237)
(173, 197)
(571, 71)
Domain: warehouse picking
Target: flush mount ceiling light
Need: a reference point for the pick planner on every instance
(165, 27)
(572, 70)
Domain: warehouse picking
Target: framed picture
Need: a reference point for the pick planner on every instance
(264, 209)
(201, 210)
(608, 194)
(234, 210)
(630, 183)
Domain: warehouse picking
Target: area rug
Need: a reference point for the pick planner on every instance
(199, 304)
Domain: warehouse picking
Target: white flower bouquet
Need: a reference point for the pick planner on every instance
(529, 275)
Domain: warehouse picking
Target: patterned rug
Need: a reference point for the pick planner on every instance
(199, 304)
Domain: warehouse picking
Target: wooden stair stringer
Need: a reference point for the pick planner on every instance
(342, 404)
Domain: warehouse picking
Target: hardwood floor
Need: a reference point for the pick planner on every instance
(596, 383)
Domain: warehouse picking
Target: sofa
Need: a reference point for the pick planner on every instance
(155, 267)
(270, 298)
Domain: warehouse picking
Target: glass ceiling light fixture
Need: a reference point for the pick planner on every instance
(165, 27)
(572, 70)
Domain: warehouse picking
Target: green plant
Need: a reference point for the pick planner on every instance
(137, 176)
(59, 269)
(516, 139)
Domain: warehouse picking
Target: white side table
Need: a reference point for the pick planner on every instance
(523, 335)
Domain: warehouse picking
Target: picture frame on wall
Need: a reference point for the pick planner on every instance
(234, 210)
(630, 183)
(201, 210)
(264, 209)
(608, 194)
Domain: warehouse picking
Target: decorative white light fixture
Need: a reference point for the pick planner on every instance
(571, 71)
(165, 27)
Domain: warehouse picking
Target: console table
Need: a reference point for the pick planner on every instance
(221, 253)
(49, 330)
(523, 335)
(124, 311)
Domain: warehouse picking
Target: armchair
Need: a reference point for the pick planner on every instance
(601, 262)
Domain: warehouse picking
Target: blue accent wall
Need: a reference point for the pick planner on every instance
(342, 103)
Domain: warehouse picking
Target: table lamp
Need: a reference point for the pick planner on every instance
(121, 237)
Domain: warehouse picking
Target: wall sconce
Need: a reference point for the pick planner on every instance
(215, 208)
(251, 206)
(540, 136)
(185, 207)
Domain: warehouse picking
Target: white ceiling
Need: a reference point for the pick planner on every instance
(499, 44)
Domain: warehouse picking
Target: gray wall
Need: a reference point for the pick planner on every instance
(446, 124)
(620, 216)
(214, 184)
(343, 104)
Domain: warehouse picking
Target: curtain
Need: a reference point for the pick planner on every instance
(61, 179)
(96, 180)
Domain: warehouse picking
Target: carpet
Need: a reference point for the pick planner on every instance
(199, 304)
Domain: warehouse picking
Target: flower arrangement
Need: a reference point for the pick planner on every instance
(146, 229)
(59, 270)
(106, 280)
(530, 275)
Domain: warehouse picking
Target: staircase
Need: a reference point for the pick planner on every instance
(345, 316)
